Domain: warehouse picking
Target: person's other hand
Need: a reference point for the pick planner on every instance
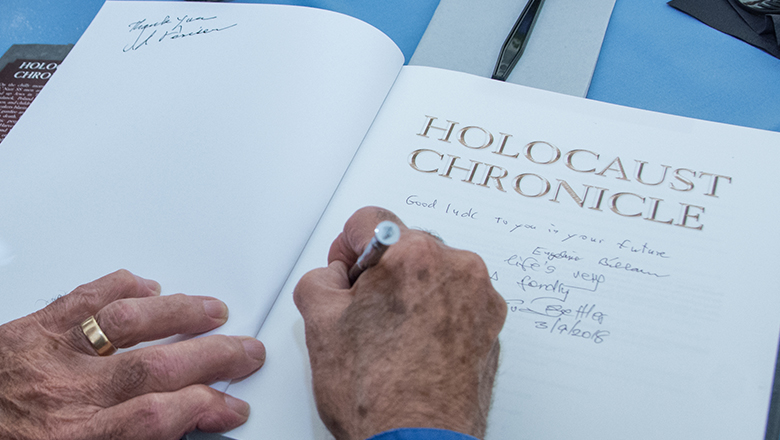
(53, 384)
(414, 343)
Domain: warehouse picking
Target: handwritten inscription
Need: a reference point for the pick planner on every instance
(147, 31)
(582, 237)
(514, 226)
(461, 212)
(529, 264)
(643, 249)
(548, 299)
(585, 321)
(593, 278)
(614, 254)
(551, 273)
(564, 329)
(450, 209)
(615, 263)
(528, 283)
(415, 201)
(555, 255)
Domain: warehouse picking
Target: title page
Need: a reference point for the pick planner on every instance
(635, 251)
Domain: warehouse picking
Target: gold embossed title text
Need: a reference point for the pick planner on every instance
(536, 186)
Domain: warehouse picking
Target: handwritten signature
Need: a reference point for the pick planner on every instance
(169, 29)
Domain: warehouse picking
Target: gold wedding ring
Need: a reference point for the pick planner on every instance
(96, 337)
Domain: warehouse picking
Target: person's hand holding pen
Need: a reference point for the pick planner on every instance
(413, 343)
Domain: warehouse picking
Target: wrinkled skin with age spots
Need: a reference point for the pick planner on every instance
(414, 343)
(54, 386)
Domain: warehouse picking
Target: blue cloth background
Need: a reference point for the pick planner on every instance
(658, 58)
(63, 21)
(654, 57)
(421, 434)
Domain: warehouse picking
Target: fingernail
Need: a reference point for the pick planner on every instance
(254, 348)
(216, 309)
(238, 406)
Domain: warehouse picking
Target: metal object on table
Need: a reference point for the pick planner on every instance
(517, 39)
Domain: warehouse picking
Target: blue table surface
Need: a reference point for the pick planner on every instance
(657, 58)
(654, 57)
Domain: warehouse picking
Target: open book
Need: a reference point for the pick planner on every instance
(219, 148)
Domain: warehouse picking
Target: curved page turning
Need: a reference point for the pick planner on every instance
(192, 143)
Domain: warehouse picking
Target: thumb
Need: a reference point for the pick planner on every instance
(358, 231)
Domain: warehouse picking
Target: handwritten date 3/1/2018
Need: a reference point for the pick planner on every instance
(557, 318)
(560, 328)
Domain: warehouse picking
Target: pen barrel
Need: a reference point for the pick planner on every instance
(371, 255)
(385, 234)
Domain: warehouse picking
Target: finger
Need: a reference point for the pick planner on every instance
(324, 293)
(127, 322)
(358, 231)
(324, 290)
(164, 368)
(87, 299)
(168, 416)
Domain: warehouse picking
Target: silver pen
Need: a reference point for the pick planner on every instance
(385, 234)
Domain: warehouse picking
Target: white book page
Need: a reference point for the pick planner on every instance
(192, 143)
(626, 319)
